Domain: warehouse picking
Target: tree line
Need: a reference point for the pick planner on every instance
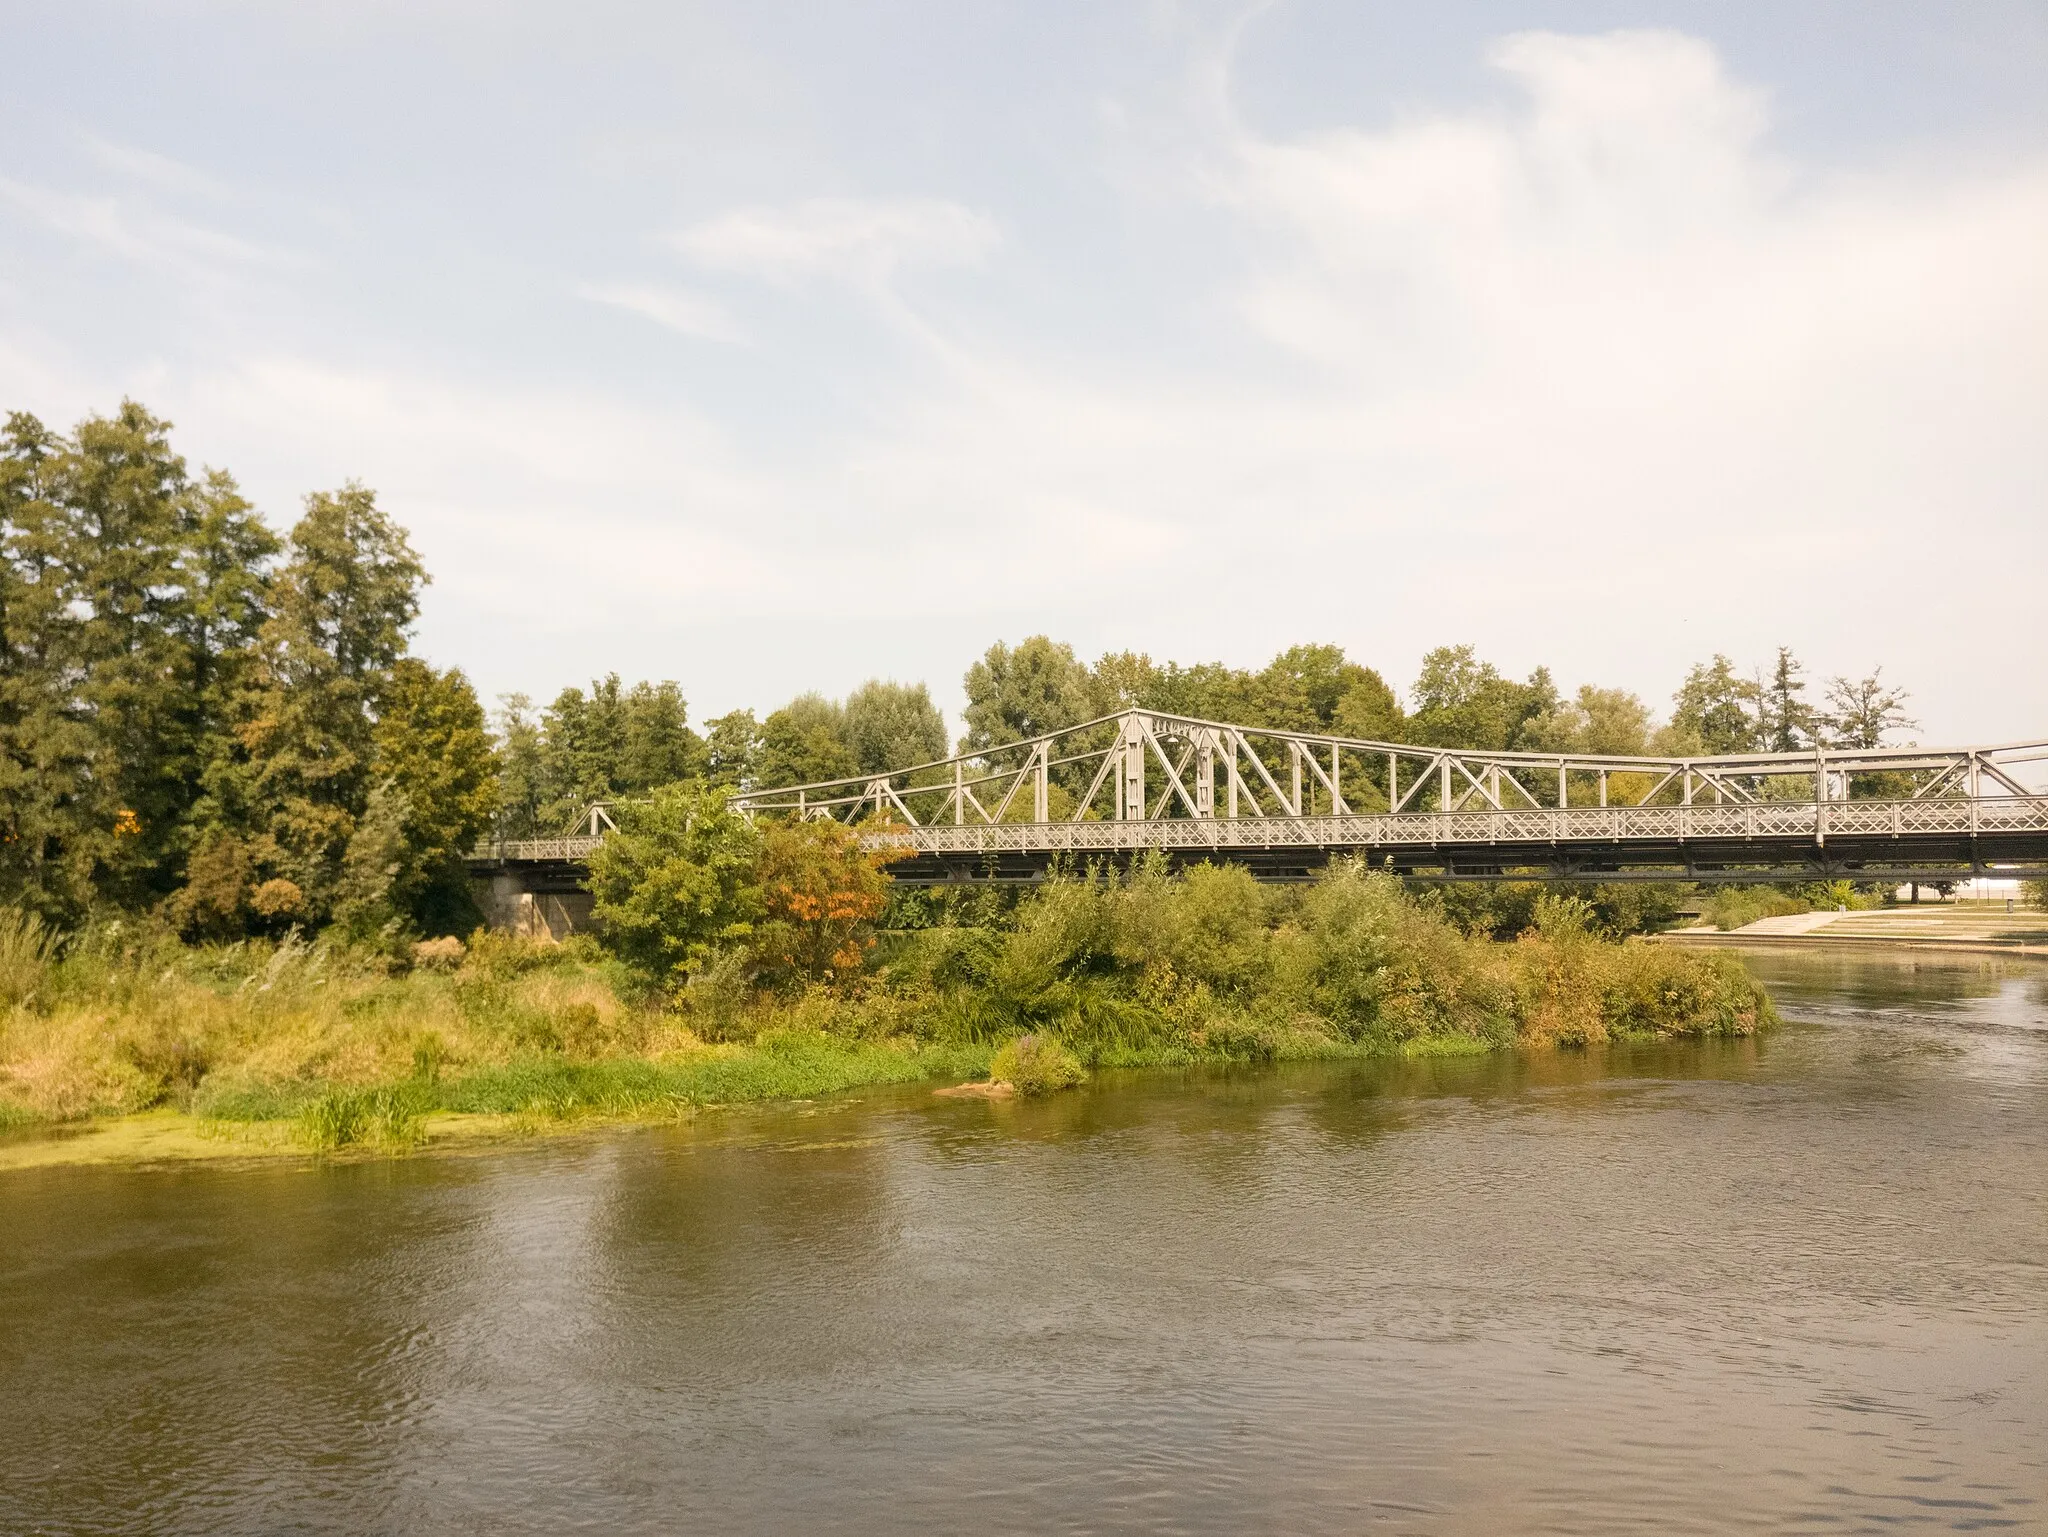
(224, 726)
(205, 719)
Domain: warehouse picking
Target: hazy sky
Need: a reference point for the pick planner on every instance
(773, 346)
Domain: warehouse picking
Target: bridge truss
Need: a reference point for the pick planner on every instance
(1285, 802)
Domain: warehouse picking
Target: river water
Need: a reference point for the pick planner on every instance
(1797, 1284)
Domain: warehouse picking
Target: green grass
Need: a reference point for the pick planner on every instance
(790, 1066)
(391, 1118)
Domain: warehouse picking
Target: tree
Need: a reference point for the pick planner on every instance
(676, 883)
(1303, 687)
(347, 595)
(1787, 722)
(613, 742)
(1863, 713)
(129, 605)
(806, 741)
(522, 769)
(1126, 680)
(47, 793)
(1461, 701)
(1369, 710)
(1607, 722)
(583, 745)
(1015, 693)
(733, 750)
(892, 726)
(433, 749)
(658, 746)
(1715, 711)
(821, 893)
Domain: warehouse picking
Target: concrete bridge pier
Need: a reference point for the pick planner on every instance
(538, 902)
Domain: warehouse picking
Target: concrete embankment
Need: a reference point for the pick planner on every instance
(1970, 930)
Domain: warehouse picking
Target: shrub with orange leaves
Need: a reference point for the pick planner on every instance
(823, 893)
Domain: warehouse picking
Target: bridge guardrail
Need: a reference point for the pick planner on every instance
(1789, 821)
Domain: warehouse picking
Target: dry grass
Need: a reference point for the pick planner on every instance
(353, 1047)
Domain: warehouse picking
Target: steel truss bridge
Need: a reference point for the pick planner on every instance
(1284, 803)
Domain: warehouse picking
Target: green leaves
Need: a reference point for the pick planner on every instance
(676, 883)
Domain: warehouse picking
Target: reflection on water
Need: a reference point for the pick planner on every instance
(1796, 1283)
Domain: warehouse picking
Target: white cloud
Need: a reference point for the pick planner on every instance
(679, 310)
(163, 172)
(141, 235)
(1599, 376)
(851, 240)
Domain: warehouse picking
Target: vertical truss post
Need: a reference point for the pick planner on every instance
(1336, 782)
(1040, 791)
(1685, 795)
(1603, 787)
(959, 794)
(1294, 763)
(1230, 778)
(1205, 774)
(1131, 777)
(1444, 787)
(1393, 781)
(1563, 788)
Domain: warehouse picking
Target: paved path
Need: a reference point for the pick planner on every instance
(1973, 928)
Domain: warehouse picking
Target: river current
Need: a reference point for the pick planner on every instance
(1795, 1284)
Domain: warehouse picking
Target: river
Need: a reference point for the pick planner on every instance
(1793, 1284)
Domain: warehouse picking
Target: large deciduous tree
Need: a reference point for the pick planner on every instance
(1862, 712)
(1714, 711)
(805, 741)
(892, 726)
(1461, 701)
(1026, 690)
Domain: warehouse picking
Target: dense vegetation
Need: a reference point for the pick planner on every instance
(233, 809)
(1143, 969)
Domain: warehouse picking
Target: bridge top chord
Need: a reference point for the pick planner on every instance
(1104, 770)
(1285, 801)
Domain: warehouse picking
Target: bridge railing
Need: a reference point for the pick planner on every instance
(1754, 823)
(1767, 822)
(570, 850)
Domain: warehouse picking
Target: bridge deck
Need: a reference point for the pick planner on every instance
(1858, 840)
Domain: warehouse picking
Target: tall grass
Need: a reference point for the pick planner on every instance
(1144, 968)
(392, 1117)
(27, 949)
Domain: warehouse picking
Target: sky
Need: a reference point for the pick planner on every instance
(772, 347)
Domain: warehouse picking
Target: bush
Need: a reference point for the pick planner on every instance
(1036, 1064)
(676, 882)
(821, 894)
(443, 954)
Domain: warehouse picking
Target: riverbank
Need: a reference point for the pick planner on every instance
(332, 1048)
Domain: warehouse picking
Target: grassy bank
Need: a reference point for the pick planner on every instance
(349, 1047)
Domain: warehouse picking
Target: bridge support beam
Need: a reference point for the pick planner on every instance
(1131, 774)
